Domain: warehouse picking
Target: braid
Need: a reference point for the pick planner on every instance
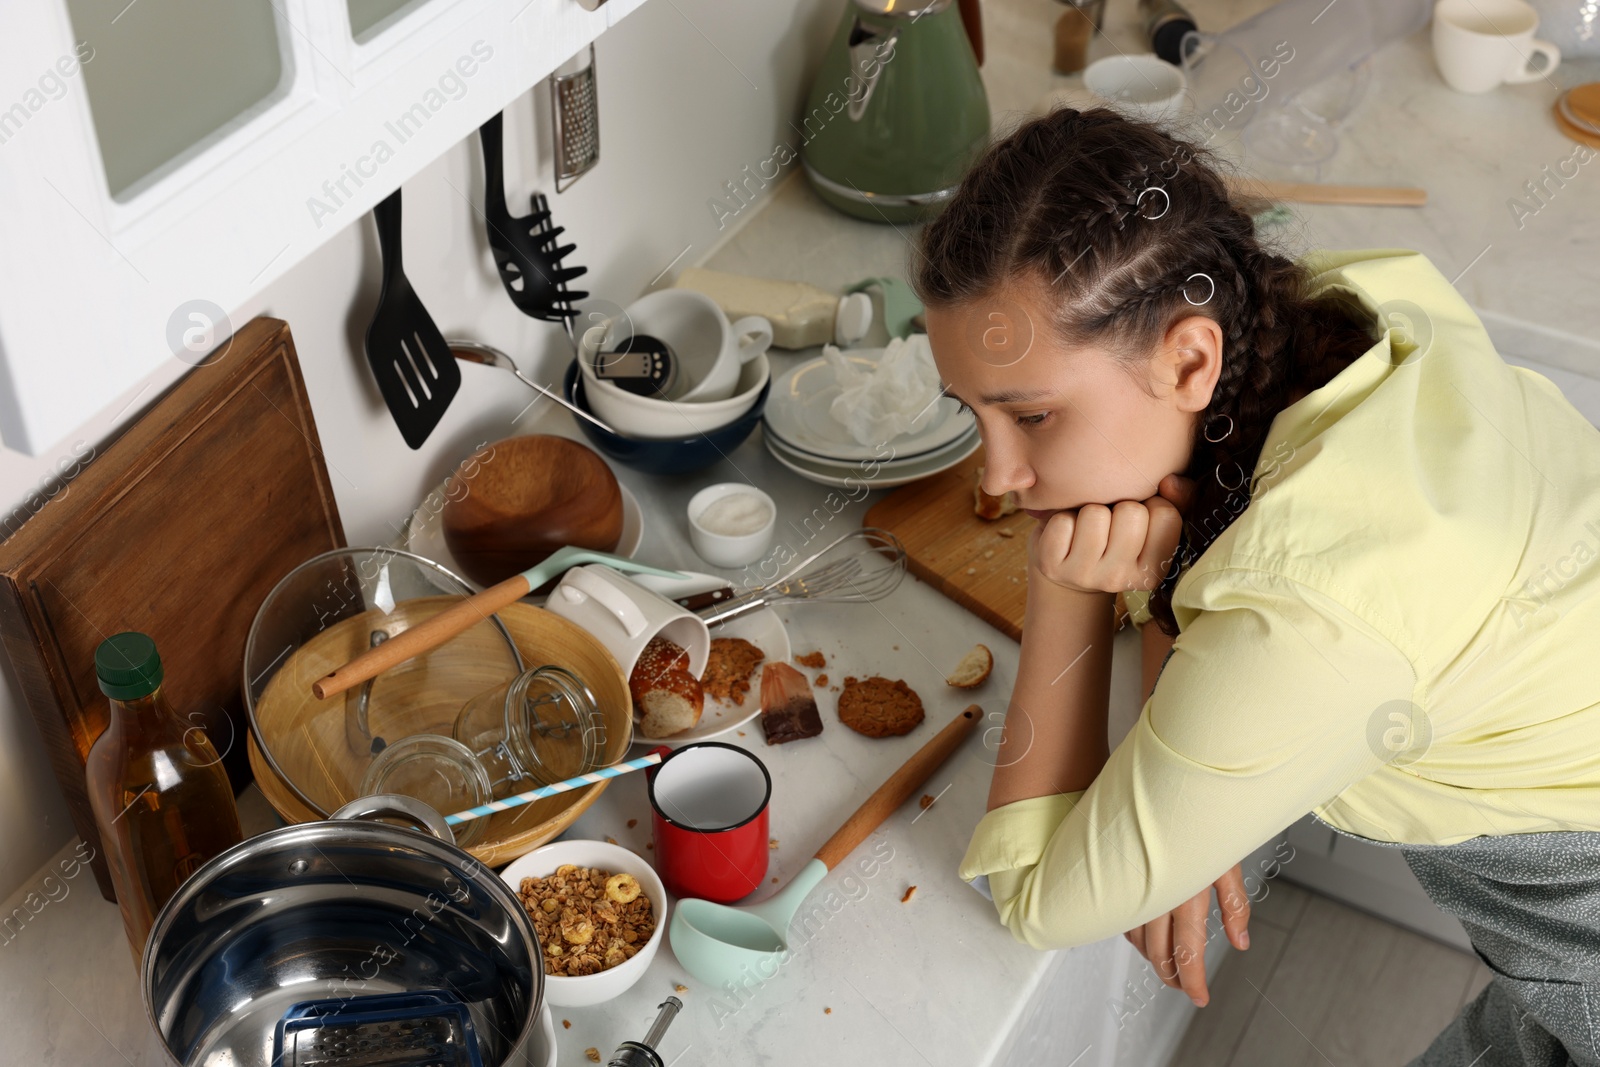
(1129, 227)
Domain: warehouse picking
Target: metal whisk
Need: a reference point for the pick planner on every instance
(868, 566)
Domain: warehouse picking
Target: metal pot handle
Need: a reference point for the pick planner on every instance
(421, 816)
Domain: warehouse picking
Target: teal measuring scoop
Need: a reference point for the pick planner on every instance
(718, 943)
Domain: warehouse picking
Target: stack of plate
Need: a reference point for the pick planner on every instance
(805, 437)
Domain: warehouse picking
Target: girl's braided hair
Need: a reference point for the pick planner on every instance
(1132, 230)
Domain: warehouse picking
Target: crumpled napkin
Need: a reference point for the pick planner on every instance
(896, 396)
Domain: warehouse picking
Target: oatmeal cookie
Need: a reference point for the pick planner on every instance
(879, 707)
(728, 668)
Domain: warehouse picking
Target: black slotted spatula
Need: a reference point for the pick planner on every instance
(416, 373)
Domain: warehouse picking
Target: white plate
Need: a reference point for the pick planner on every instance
(762, 628)
(884, 479)
(886, 468)
(797, 411)
(424, 535)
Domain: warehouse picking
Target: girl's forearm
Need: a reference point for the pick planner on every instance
(1055, 733)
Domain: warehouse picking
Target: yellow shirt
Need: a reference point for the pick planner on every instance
(1399, 633)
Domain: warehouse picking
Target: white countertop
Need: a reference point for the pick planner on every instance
(936, 980)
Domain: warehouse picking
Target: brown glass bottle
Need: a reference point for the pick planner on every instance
(161, 798)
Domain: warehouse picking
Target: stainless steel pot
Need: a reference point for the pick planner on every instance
(341, 908)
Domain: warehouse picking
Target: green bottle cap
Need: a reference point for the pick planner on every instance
(128, 666)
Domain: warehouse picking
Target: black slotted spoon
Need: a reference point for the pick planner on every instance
(416, 373)
(525, 249)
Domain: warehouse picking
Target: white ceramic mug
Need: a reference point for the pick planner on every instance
(708, 349)
(1480, 43)
(1144, 86)
(623, 615)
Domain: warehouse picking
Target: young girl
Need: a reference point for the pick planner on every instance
(1372, 539)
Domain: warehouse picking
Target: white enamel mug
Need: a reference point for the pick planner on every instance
(708, 348)
(623, 615)
(1478, 44)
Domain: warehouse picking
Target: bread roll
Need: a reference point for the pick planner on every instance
(667, 697)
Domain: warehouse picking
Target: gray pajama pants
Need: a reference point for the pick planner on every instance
(1531, 905)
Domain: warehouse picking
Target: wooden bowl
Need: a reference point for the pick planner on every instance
(529, 497)
(326, 759)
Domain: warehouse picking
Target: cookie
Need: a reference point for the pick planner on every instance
(815, 660)
(879, 707)
(728, 668)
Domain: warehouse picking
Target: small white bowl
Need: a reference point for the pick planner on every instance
(582, 991)
(651, 419)
(729, 550)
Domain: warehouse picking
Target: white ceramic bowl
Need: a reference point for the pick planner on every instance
(650, 419)
(582, 991)
(725, 550)
(1142, 86)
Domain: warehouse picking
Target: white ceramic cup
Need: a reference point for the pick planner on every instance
(624, 615)
(1478, 44)
(709, 350)
(1142, 86)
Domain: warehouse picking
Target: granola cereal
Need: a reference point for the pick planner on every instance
(588, 920)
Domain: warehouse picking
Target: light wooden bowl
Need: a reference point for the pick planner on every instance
(325, 758)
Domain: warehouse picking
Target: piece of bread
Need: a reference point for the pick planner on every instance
(973, 668)
(991, 507)
(666, 696)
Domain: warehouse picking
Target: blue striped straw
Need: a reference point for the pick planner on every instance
(551, 790)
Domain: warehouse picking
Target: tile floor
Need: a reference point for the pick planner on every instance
(1325, 985)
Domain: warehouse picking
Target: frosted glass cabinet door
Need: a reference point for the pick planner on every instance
(162, 161)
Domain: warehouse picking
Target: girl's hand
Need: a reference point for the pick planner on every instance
(1175, 943)
(1130, 545)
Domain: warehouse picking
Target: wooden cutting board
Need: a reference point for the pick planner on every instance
(968, 559)
(179, 528)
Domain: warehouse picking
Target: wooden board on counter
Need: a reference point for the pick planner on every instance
(178, 528)
(965, 557)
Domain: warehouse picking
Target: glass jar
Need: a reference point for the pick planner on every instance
(542, 727)
(437, 770)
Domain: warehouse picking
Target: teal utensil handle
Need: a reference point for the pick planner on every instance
(570, 556)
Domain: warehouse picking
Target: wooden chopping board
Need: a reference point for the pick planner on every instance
(179, 528)
(969, 559)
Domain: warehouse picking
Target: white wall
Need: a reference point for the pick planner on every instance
(690, 92)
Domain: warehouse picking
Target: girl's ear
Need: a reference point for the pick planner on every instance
(1192, 350)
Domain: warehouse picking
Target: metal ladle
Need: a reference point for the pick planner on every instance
(717, 943)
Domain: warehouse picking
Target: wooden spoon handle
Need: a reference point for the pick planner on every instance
(1319, 193)
(901, 784)
(422, 637)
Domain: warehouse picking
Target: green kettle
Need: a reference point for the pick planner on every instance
(897, 112)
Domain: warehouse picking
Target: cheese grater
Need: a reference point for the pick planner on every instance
(425, 1029)
(575, 112)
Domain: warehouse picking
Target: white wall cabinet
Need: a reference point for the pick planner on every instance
(164, 160)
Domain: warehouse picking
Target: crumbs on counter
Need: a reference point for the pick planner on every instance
(632, 823)
(896, 648)
(566, 1024)
(909, 890)
(926, 802)
(1007, 532)
(815, 660)
(610, 840)
(593, 1053)
(741, 733)
(822, 679)
(649, 844)
(827, 1011)
(774, 881)
(772, 842)
(679, 987)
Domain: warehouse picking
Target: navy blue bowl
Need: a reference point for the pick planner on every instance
(683, 455)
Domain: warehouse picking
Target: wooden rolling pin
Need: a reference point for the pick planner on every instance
(1318, 193)
(888, 797)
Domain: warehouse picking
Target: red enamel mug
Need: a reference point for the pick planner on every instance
(708, 809)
